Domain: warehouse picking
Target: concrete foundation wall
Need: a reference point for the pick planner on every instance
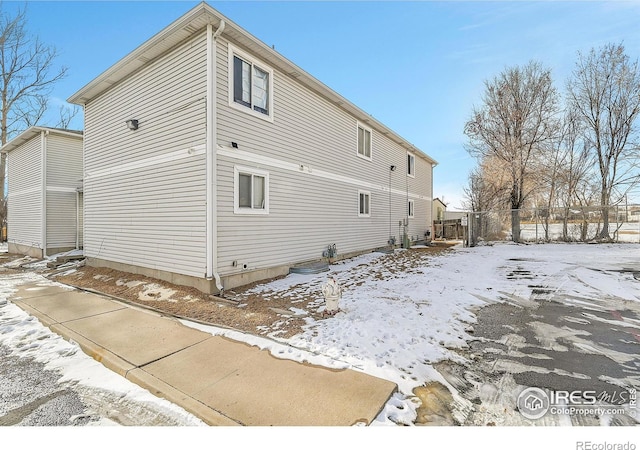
(56, 250)
(202, 284)
(27, 250)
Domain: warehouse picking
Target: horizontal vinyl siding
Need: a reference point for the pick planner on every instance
(64, 161)
(306, 215)
(24, 208)
(64, 171)
(151, 215)
(309, 212)
(80, 221)
(61, 219)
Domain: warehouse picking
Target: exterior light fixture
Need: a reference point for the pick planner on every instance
(234, 144)
(393, 168)
(132, 124)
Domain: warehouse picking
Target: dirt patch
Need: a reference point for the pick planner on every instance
(252, 315)
(254, 308)
(436, 405)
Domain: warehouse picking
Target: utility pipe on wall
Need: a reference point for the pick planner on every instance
(211, 156)
(43, 210)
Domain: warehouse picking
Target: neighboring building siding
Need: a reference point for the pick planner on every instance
(318, 205)
(61, 220)
(144, 190)
(24, 208)
(64, 176)
(80, 220)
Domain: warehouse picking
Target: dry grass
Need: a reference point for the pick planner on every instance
(251, 310)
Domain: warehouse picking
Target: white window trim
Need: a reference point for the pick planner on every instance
(233, 51)
(364, 127)
(411, 213)
(412, 175)
(237, 170)
(368, 193)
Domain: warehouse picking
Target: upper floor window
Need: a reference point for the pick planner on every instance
(411, 165)
(364, 142)
(251, 84)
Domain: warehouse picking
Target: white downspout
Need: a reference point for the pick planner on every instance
(211, 162)
(77, 220)
(43, 145)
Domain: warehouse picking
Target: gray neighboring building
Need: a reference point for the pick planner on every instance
(212, 161)
(44, 191)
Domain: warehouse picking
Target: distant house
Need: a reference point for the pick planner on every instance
(213, 161)
(44, 191)
(439, 209)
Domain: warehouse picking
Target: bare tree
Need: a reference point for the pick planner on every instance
(605, 91)
(67, 114)
(516, 121)
(26, 78)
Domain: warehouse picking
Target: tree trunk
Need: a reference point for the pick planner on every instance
(604, 232)
(515, 225)
(546, 228)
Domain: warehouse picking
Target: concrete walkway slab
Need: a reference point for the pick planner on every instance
(137, 336)
(224, 382)
(69, 305)
(275, 391)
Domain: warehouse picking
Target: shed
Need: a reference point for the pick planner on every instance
(44, 201)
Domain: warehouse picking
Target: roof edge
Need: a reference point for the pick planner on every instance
(33, 131)
(136, 59)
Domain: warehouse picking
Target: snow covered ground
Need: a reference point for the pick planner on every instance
(628, 232)
(110, 396)
(396, 320)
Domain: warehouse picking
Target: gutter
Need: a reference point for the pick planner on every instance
(211, 158)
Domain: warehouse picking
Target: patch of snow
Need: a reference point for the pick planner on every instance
(129, 284)
(25, 336)
(156, 292)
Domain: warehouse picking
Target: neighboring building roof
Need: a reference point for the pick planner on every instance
(32, 132)
(439, 201)
(194, 21)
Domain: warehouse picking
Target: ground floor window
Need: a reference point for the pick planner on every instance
(251, 191)
(364, 204)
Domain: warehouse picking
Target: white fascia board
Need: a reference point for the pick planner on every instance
(34, 131)
(195, 21)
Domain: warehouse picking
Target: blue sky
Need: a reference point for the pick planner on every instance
(418, 67)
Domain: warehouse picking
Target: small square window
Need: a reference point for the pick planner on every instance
(251, 192)
(364, 204)
(364, 142)
(411, 165)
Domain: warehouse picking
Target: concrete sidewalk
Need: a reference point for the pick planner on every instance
(223, 382)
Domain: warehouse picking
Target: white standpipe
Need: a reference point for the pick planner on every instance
(332, 294)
